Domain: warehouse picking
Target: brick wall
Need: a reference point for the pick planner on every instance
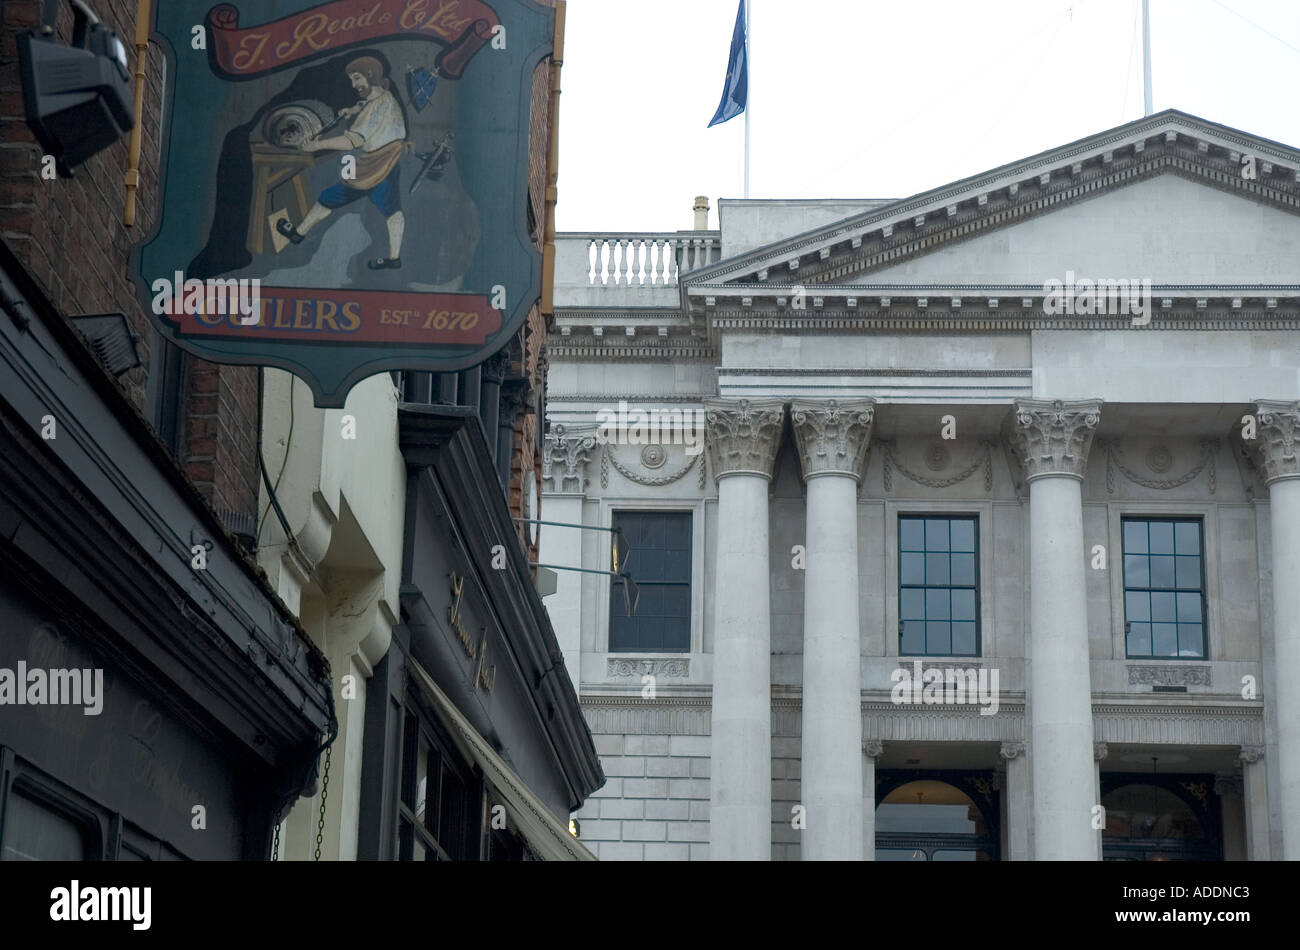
(220, 447)
(786, 752)
(69, 233)
(655, 804)
(526, 466)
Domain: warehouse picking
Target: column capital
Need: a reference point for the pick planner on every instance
(517, 394)
(1012, 750)
(832, 435)
(1250, 754)
(565, 458)
(495, 366)
(873, 748)
(1227, 783)
(742, 435)
(1053, 436)
(1277, 440)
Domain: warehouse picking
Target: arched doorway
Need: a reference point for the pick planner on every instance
(1160, 818)
(936, 816)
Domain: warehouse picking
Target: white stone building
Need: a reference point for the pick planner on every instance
(922, 453)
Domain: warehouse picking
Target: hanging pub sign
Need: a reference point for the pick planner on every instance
(344, 185)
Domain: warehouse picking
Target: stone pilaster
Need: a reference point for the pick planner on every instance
(1019, 801)
(1275, 448)
(565, 456)
(1099, 753)
(1254, 793)
(1232, 816)
(872, 749)
(1051, 438)
(832, 437)
(742, 438)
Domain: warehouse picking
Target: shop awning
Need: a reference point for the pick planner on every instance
(546, 835)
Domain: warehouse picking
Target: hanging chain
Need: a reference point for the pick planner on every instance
(324, 794)
(275, 845)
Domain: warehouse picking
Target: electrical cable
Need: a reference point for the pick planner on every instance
(274, 502)
(1033, 72)
(946, 96)
(1256, 26)
(272, 499)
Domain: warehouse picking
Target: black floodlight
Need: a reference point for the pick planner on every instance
(631, 593)
(78, 98)
(618, 550)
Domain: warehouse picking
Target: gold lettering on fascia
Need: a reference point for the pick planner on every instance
(485, 675)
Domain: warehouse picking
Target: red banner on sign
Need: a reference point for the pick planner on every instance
(463, 26)
(306, 315)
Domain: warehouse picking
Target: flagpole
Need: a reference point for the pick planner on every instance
(749, 100)
(1146, 58)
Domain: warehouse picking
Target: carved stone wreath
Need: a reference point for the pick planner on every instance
(608, 458)
(1160, 459)
(627, 666)
(937, 459)
(1169, 676)
(653, 456)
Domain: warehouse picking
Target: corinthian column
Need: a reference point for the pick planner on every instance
(1276, 446)
(832, 437)
(742, 438)
(1052, 439)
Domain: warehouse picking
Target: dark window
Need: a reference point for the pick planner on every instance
(1164, 588)
(42, 819)
(936, 816)
(504, 845)
(438, 813)
(1165, 817)
(938, 585)
(660, 564)
(38, 830)
(166, 391)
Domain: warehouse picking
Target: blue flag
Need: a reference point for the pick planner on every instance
(736, 87)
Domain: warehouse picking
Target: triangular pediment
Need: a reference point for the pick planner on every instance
(1165, 228)
(1171, 198)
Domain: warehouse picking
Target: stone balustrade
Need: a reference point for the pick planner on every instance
(629, 260)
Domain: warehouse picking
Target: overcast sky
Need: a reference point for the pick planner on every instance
(882, 99)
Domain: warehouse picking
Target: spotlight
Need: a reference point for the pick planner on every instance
(78, 98)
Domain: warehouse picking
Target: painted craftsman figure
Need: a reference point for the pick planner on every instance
(378, 131)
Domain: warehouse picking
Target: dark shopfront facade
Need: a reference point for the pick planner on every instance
(213, 706)
(485, 750)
